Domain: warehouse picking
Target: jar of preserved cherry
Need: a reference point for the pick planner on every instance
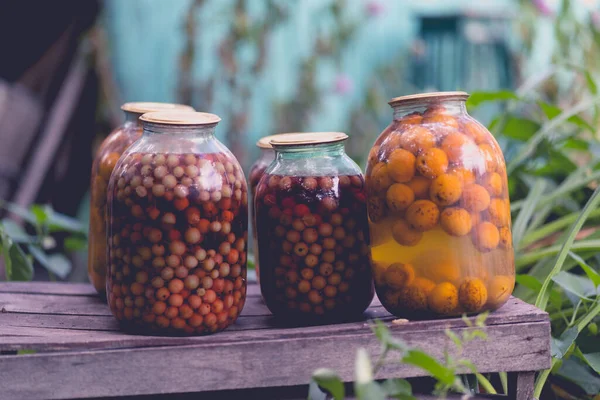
(178, 227)
(106, 157)
(267, 155)
(312, 229)
(439, 211)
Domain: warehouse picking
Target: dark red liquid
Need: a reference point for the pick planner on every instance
(313, 246)
(177, 243)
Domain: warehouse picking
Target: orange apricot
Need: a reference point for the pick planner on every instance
(417, 139)
(373, 156)
(411, 119)
(486, 236)
(476, 131)
(413, 298)
(492, 182)
(401, 165)
(432, 163)
(489, 155)
(398, 197)
(456, 145)
(399, 275)
(424, 284)
(379, 178)
(500, 289)
(376, 208)
(455, 221)
(499, 212)
(505, 238)
(442, 271)
(443, 299)
(391, 298)
(472, 294)
(420, 187)
(445, 190)
(423, 215)
(440, 118)
(475, 198)
(466, 176)
(404, 234)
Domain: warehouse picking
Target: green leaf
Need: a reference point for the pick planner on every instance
(315, 392)
(75, 243)
(398, 388)
(578, 285)
(542, 299)
(526, 212)
(431, 365)
(576, 144)
(478, 98)
(593, 360)
(58, 264)
(481, 318)
(589, 271)
(41, 213)
(454, 337)
(521, 129)
(19, 211)
(22, 269)
(590, 82)
(330, 381)
(15, 231)
(25, 351)
(369, 391)
(59, 222)
(560, 346)
(553, 111)
(576, 371)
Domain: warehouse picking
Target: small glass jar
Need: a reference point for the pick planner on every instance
(267, 155)
(178, 228)
(106, 157)
(312, 226)
(439, 211)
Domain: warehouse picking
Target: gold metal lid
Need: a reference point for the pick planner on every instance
(178, 117)
(142, 107)
(307, 138)
(437, 96)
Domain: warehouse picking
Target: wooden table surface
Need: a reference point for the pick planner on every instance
(80, 352)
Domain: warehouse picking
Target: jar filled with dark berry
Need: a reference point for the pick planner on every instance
(106, 157)
(178, 227)
(313, 235)
(267, 155)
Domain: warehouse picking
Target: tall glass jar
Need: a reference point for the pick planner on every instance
(106, 157)
(267, 155)
(178, 227)
(313, 237)
(439, 211)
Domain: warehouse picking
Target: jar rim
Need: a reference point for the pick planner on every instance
(142, 107)
(437, 96)
(265, 141)
(307, 138)
(178, 117)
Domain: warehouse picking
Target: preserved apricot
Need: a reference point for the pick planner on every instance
(423, 215)
(401, 165)
(456, 221)
(476, 131)
(500, 289)
(505, 238)
(404, 234)
(489, 155)
(499, 212)
(411, 119)
(398, 197)
(475, 198)
(441, 118)
(456, 145)
(443, 299)
(442, 271)
(376, 208)
(420, 187)
(432, 163)
(445, 190)
(417, 139)
(466, 176)
(413, 298)
(472, 294)
(492, 182)
(380, 178)
(486, 236)
(399, 275)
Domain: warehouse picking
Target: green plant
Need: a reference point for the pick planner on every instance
(446, 372)
(20, 247)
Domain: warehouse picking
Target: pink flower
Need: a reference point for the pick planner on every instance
(542, 7)
(343, 84)
(375, 8)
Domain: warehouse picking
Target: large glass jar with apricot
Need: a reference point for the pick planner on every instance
(267, 155)
(178, 228)
(106, 157)
(439, 211)
(313, 234)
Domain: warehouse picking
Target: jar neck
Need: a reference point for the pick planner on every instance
(452, 107)
(310, 151)
(133, 119)
(195, 131)
(267, 153)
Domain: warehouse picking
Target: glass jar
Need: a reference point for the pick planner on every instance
(439, 211)
(106, 157)
(312, 226)
(178, 212)
(267, 155)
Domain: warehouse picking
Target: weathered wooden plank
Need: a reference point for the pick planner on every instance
(521, 385)
(63, 288)
(254, 363)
